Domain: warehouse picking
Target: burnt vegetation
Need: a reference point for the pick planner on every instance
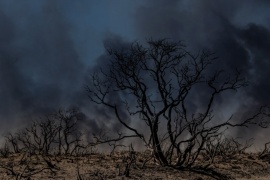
(155, 85)
(41, 143)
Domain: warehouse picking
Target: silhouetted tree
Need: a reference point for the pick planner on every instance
(155, 83)
(56, 133)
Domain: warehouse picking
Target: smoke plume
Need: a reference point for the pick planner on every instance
(48, 49)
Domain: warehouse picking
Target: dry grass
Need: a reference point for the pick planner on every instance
(121, 165)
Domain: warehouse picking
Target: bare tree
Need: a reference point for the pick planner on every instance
(225, 148)
(40, 136)
(57, 132)
(69, 137)
(13, 141)
(156, 83)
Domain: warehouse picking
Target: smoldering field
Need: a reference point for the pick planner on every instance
(55, 148)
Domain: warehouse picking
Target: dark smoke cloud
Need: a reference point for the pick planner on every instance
(46, 49)
(103, 115)
(214, 25)
(237, 31)
(40, 69)
(45, 58)
(256, 39)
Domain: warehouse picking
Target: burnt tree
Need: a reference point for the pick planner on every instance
(155, 83)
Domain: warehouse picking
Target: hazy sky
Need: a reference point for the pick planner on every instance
(48, 47)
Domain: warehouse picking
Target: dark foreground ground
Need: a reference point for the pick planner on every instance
(123, 165)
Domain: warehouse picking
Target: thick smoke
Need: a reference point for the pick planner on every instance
(44, 63)
(40, 69)
(46, 50)
(237, 31)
